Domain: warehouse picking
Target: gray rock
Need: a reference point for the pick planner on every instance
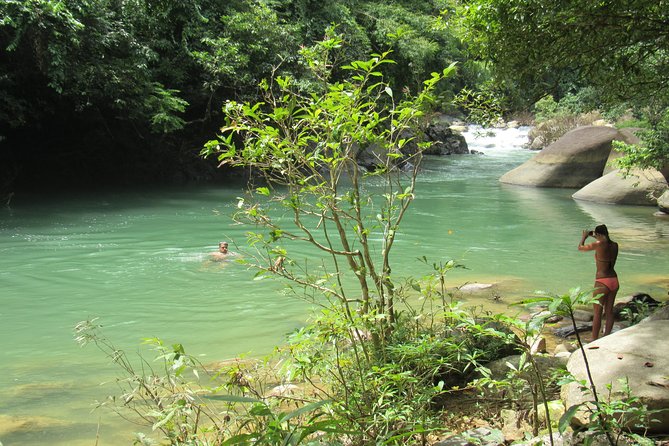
(446, 141)
(370, 157)
(583, 315)
(572, 161)
(545, 440)
(637, 354)
(568, 330)
(554, 319)
(475, 287)
(374, 156)
(481, 436)
(454, 441)
(563, 347)
(537, 143)
(573, 439)
(663, 202)
(563, 357)
(633, 306)
(546, 364)
(514, 424)
(459, 128)
(640, 189)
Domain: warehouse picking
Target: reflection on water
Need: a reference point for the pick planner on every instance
(139, 262)
(631, 222)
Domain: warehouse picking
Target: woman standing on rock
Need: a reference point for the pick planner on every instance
(606, 279)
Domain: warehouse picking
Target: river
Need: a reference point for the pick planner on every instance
(137, 260)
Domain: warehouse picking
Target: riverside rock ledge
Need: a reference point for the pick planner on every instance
(637, 354)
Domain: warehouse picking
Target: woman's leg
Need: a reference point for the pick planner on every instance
(608, 311)
(596, 321)
(602, 291)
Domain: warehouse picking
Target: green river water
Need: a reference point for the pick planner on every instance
(137, 260)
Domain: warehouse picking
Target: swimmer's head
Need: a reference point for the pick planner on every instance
(223, 247)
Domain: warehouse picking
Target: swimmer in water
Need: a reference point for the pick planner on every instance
(222, 253)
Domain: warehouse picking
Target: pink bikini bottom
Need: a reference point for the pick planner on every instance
(609, 282)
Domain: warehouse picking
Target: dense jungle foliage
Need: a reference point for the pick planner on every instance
(115, 91)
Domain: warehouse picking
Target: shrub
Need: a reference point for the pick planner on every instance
(554, 119)
(552, 129)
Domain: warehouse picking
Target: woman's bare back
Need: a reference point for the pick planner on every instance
(606, 254)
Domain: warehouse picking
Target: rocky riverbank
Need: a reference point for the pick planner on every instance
(629, 365)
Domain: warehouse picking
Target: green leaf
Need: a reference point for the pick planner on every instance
(565, 419)
(260, 410)
(164, 420)
(305, 409)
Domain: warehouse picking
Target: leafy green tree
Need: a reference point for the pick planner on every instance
(420, 44)
(136, 84)
(34, 38)
(420, 35)
(118, 83)
(306, 148)
(241, 46)
(621, 45)
(81, 56)
(619, 48)
(652, 153)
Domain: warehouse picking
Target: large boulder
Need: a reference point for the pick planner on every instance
(573, 161)
(547, 365)
(372, 157)
(663, 202)
(640, 188)
(446, 140)
(637, 353)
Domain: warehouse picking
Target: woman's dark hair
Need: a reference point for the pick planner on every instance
(603, 230)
